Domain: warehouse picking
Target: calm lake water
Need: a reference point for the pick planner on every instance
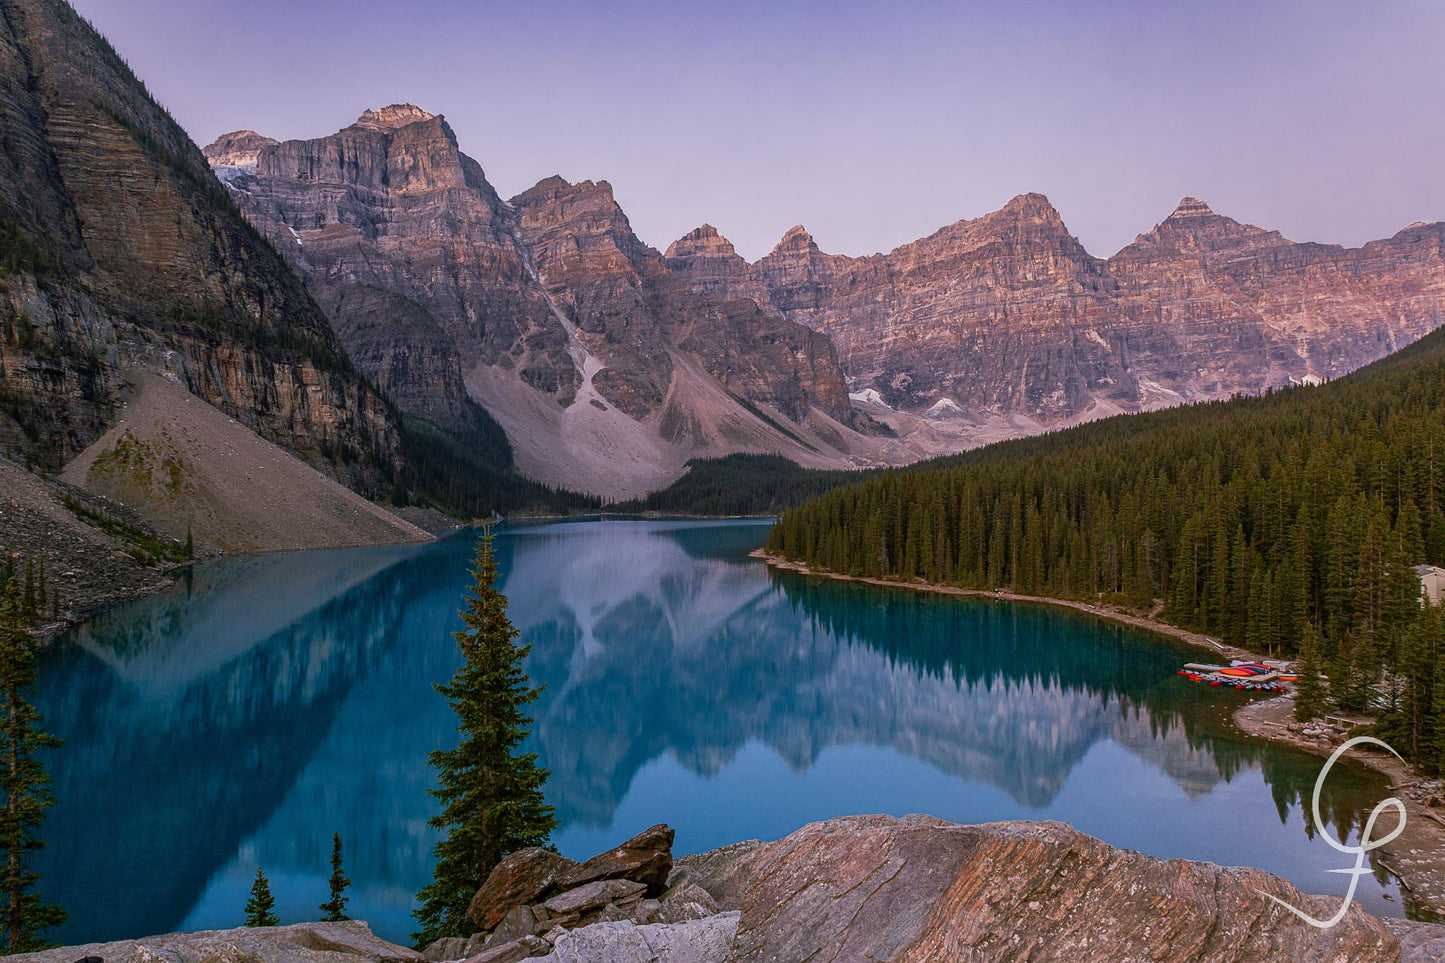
(267, 702)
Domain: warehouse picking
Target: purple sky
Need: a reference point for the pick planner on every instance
(872, 124)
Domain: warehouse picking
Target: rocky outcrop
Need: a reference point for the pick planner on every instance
(122, 251)
(523, 877)
(348, 942)
(874, 888)
(1008, 315)
(918, 888)
(535, 891)
(236, 152)
(645, 858)
(606, 371)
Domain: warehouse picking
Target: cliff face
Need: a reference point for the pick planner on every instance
(409, 250)
(118, 248)
(607, 371)
(1009, 315)
(621, 292)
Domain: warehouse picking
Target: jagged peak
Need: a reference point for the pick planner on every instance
(701, 239)
(558, 187)
(237, 141)
(1191, 207)
(796, 238)
(1033, 206)
(392, 117)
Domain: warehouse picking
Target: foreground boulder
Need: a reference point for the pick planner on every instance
(918, 888)
(645, 858)
(868, 888)
(348, 942)
(523, 877)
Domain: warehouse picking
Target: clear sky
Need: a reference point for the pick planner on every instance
(870, 123)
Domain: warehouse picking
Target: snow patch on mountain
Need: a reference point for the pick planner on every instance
(869, 396)
(944, 408)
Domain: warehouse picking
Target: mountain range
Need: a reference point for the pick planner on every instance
(368, 303)
(607, 370)
(610, 365)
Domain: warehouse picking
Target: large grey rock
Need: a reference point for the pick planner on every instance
(520, 921)
(593, 896)
(348, 942)
(446, 948)
(719, 871)
(878, 888)
(697, 941)
(521, 949)
(686, 901)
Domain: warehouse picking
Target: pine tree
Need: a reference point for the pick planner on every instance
(23, 782)
(335, 907)
(1309, 699)
(190, 547)
(27, 598)
(261, 904)
(492, 801)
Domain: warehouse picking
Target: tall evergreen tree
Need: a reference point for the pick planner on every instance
(260, 905)
(491, 795)
(23, 781)
(335, 907)
(1309, 698)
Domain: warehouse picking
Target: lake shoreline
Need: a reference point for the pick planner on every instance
(1416, 859)
(1107, 612)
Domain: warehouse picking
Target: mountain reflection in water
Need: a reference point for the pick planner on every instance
(267, 702)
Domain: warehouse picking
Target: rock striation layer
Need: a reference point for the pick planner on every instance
(118, 249)
(918, 888)
(1008, 315)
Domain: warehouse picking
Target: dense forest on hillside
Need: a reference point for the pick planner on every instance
(1264, 521)
(469, 473)
(741, 485)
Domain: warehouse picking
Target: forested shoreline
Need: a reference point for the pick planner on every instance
(1289, 520)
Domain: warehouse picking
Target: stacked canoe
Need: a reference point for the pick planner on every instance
(1257, 676)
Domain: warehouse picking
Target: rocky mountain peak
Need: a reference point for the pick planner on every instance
(796, 239)
(554, 188)
(392, 117)
(1191, 207)
(1034, 207)
(704, 241)
(239, 148)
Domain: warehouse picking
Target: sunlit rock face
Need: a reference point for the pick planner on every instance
(1007, 314)
(606, 371)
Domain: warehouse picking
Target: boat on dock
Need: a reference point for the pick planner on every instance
(1267, 676)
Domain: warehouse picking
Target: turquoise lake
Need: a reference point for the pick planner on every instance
(266, 702)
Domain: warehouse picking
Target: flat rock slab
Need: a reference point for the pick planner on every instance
(646, 858)
(696, 941)
(883, 889)
(593, 896)
(348, 942)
